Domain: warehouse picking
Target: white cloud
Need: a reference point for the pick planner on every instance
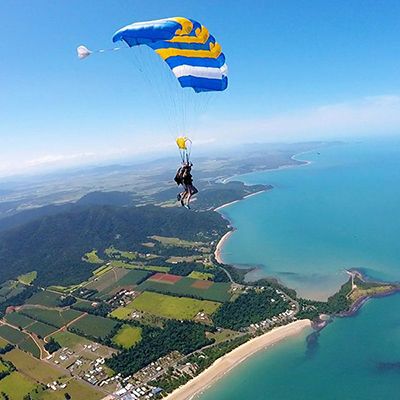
(57, 159)
(368, 116)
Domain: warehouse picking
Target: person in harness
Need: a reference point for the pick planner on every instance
(184, 177)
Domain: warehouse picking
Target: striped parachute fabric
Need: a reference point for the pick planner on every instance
(192, 53)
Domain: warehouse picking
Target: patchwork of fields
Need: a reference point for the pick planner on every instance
(71, 315)
(110, 282)
(185, 286)
(57, 318)
(20, 339)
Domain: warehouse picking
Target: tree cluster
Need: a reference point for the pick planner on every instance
(249, 308)
(182, 336)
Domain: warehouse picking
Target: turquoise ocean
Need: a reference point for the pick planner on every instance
(340, 211)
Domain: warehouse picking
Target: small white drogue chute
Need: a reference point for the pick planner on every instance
(83, 52)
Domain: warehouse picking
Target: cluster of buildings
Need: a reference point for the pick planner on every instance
(155, 369)
(130, 392)
(122, 298)
(95, 373)
(56, 385)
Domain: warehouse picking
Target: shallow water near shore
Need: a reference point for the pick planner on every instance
(339, 212)
(355, 358)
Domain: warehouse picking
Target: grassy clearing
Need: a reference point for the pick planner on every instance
(216, 291)
(94, 326)
(92, 257)
(33, 368)
(64, 289)
(16, 386)
(122, 313)
(172, 307)
(128, 336)
(3, 343)
(55, 318)
(113, 252)
(206, 276)
(28, 278)
(125, 265)
(76, 390)
(45, 298)
(70, 340)
(176, 242)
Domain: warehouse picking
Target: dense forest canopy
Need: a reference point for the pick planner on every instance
(54, 245)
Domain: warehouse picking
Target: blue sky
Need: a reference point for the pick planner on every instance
(319, 69)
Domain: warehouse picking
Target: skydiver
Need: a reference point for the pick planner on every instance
(186, 178)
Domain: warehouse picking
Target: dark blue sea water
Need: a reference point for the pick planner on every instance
(341, 211)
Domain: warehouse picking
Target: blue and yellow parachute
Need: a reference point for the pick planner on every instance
(192, 53)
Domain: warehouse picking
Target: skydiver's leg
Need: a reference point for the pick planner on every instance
(191, 191)
(184, 194)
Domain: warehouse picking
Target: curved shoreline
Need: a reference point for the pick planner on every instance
(220, 244)
(230, 360)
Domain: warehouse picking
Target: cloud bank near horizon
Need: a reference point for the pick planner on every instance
(369, 116)
(366, 117)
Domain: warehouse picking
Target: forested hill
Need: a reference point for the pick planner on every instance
(54, 245)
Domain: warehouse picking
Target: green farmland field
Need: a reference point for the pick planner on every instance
(12, 335)
(41, 329)
(33, 368)
(16, 386)
(52, 317)
(172, 307)
(20, 339)
(94, 326)
(30, 346)
(19, 320)
(206, 276)
(217, 291)
(45, 298)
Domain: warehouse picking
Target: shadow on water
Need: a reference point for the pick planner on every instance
(312, 342)
(384, 366)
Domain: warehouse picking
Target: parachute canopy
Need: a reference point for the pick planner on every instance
(192, 53)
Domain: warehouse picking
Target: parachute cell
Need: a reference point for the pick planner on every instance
(193, 55)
